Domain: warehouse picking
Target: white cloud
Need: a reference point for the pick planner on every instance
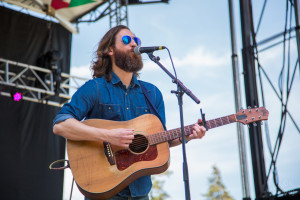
(198, 57)
(81, 71)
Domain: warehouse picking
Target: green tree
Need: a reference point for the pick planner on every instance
(217, 190)
(157, 192)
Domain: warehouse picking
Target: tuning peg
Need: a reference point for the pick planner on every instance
(249, 107)
(255, 106)
(242, 109)
(254, 124)
(256, 109)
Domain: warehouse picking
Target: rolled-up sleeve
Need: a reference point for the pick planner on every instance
(61, 117)
(81, 103)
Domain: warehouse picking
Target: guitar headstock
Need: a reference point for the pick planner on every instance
(250, 115)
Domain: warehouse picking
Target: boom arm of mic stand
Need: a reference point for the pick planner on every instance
(174, 80)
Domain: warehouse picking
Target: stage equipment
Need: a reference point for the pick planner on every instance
(51, 62)
(139, 50)
(24, 77)
(67, 13)
(17, 96)
(252, 62)
(238, 105)
(255, 134)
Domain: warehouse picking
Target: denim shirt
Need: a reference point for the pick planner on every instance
(100, 99)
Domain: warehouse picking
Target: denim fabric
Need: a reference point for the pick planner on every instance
(100, 99)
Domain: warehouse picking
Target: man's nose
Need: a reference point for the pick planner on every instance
(132, 43)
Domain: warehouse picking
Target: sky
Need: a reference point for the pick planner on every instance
(197, 33)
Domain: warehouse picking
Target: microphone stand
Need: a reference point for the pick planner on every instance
(181, 89)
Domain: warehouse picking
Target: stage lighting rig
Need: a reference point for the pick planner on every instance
(16, 95)
(50, 61)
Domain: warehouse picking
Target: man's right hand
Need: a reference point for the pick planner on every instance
(120, 137)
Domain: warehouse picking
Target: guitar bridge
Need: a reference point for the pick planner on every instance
(109, 154)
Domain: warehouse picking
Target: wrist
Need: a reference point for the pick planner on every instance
(180, 140)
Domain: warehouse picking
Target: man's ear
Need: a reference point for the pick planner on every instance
(110, 51)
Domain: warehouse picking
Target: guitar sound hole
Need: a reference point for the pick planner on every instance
(139, 144)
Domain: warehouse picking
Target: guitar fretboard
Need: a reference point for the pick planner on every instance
(176, 133)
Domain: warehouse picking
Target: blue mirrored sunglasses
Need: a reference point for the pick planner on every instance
(127, 39)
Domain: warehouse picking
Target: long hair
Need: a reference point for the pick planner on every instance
(101, 64)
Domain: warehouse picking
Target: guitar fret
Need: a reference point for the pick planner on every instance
(227, 118)
(222, 120)
(173, 135)
(208, 125)
(215, 123)
(219, 122)
(150, 139)
(176, 133)
(190, 130)
(165, 137)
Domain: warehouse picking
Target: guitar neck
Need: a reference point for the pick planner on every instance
(176, 133)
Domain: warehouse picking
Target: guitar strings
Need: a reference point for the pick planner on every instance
(142, 141)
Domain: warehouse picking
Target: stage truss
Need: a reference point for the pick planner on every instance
(37, 84)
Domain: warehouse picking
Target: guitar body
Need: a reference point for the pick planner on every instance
(97, 178)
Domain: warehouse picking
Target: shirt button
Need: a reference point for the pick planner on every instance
(125, 93)
(146, 110)
(109, 108)
(127, 108)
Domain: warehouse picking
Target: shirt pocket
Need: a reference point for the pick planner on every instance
(141, 111)
(111, 111)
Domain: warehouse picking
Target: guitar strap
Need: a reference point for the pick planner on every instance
(150, 104)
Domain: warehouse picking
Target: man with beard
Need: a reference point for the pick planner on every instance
(114, 93)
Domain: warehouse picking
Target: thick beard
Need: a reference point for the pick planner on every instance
(128, 62)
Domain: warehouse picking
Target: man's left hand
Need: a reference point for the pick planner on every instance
(198, 131)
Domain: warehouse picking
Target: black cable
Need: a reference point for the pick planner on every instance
(261, 15)
(278, 96)
(273, 45)
(172, 64)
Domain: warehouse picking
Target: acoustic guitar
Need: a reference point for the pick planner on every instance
(102, 170)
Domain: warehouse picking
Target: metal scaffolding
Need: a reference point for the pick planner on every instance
(37, 84)
(118, 13)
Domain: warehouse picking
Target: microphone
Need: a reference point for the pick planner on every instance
(139, 50)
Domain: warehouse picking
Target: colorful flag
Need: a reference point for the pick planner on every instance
(58, 4)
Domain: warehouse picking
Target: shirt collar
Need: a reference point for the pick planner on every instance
(115, 80)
